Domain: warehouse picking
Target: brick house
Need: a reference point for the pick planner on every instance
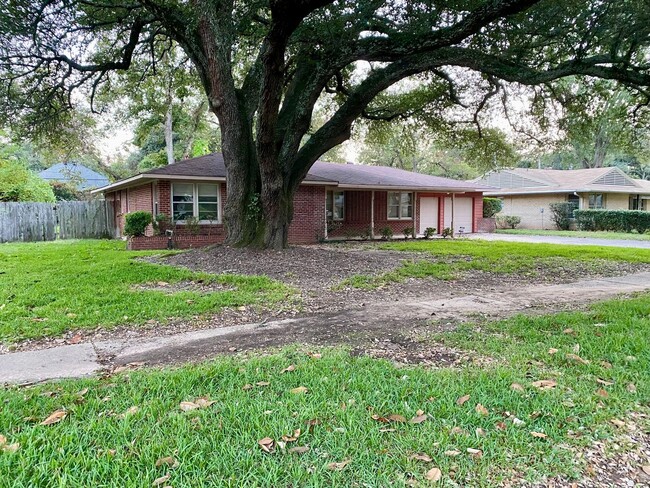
(334, 201)
(528, 193)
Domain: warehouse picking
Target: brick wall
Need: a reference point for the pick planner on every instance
(146, 243)
(308, 224)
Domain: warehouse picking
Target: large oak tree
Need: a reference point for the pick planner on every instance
(265, 64)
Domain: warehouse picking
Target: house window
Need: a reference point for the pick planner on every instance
(400, 205)
(335, 205)
(575, 200)
(596, 200)
(195, 200)
(635, 202)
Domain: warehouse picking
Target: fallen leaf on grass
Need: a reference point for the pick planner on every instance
(267, 444)
(3, 440)
(11, 447)
(577, 359)
(631, 387)
(517, 387)
(618, 423)
(161, 480)
(262, 383)
(314, 355)
(606, 364)
(299, 390)
(604, 382)
(167, 461)
(247, 386)
(458, 431)
(387, 430)
(462, 400)
(500, 426)
(289, 369)
(292, 438)
(569, 331)
(552, 350)
(545, 384)
(299, 450)
(646, 469)
(421, 457)
(201, 402)
(475, 452)
(539, 435)
(602, 393)
(338, 466)
(418, 419)
(55, 417)
(480, 409)
(434, 474)
(452, 453)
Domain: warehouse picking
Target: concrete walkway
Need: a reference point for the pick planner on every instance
(374, 320)
(572, 241)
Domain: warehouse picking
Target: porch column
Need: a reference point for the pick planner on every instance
(453, 206)
(372, 214)
(325, 230)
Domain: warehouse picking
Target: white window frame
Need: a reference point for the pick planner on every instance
(400, 193)
(195, 201)
(333, 193)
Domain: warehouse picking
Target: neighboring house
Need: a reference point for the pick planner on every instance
(334, 200)
(76, 175)
(527, 193)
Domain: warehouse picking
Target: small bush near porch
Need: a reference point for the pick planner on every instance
(48, 288)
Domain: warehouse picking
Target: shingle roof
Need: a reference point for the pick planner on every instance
(532, 181)
(335, 174)
(82, 177)
(210, 165)
(359, 175)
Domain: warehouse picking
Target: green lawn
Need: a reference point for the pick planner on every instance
(459, 255)
(117, 428)
(49, 288)
(577, 233)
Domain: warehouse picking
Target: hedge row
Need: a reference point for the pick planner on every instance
(613, 220)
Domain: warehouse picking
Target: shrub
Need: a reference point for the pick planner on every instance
(386, 233)
(562, 214)
(409, 232)
(161, 223)
(613, 220)
(508, 221)
(136, 223)
(491, 207)
(429, 232)
(366, 233)
(447, 232)
(192, 225)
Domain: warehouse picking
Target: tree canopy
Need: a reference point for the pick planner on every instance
(265, 65)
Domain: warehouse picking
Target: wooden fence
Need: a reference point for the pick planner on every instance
(29, 222)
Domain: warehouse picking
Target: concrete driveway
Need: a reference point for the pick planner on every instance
(572, 241)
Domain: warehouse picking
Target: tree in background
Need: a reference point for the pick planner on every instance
(19, 184)
(264, 65)
(168, 106)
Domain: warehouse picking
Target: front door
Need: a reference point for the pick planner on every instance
(428, 213)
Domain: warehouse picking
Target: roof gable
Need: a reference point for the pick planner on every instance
(615, 177)
(511, 179)
(77, 174)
